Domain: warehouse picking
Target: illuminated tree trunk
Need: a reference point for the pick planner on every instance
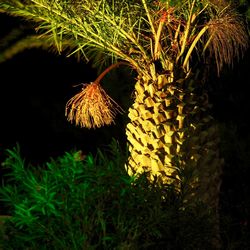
(171, 135)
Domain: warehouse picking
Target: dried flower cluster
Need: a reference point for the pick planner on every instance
(228, 38)
(92, 107)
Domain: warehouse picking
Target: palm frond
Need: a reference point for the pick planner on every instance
(19, 46)
(139, 32)
(228, 38)
(99, 23)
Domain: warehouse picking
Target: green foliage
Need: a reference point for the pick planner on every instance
(77, 26)
(138, 32)
(91, 203)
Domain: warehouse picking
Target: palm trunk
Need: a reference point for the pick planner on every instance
(171, 136)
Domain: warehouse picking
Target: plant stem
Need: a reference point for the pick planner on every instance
(157, 39)
(186, 32)
(149, 18)
(196, 40)
(99, 78)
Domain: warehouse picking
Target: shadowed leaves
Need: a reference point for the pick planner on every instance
(228, 38)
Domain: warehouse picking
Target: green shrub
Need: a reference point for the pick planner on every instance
(91, 203)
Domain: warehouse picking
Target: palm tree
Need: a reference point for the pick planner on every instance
(169, 43)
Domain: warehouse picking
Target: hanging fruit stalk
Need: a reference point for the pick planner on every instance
(92, 107)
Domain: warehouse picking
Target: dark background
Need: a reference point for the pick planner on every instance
(35, 86)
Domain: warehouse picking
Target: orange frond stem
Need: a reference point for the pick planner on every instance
(92, 107)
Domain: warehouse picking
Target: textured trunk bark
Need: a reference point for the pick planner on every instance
(171, 135)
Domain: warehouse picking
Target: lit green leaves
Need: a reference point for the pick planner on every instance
(127, 30)
(92, 203)
(24, 215)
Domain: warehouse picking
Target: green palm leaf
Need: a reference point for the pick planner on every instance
(138, 32)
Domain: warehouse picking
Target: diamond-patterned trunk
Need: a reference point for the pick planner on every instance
(171, 136)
